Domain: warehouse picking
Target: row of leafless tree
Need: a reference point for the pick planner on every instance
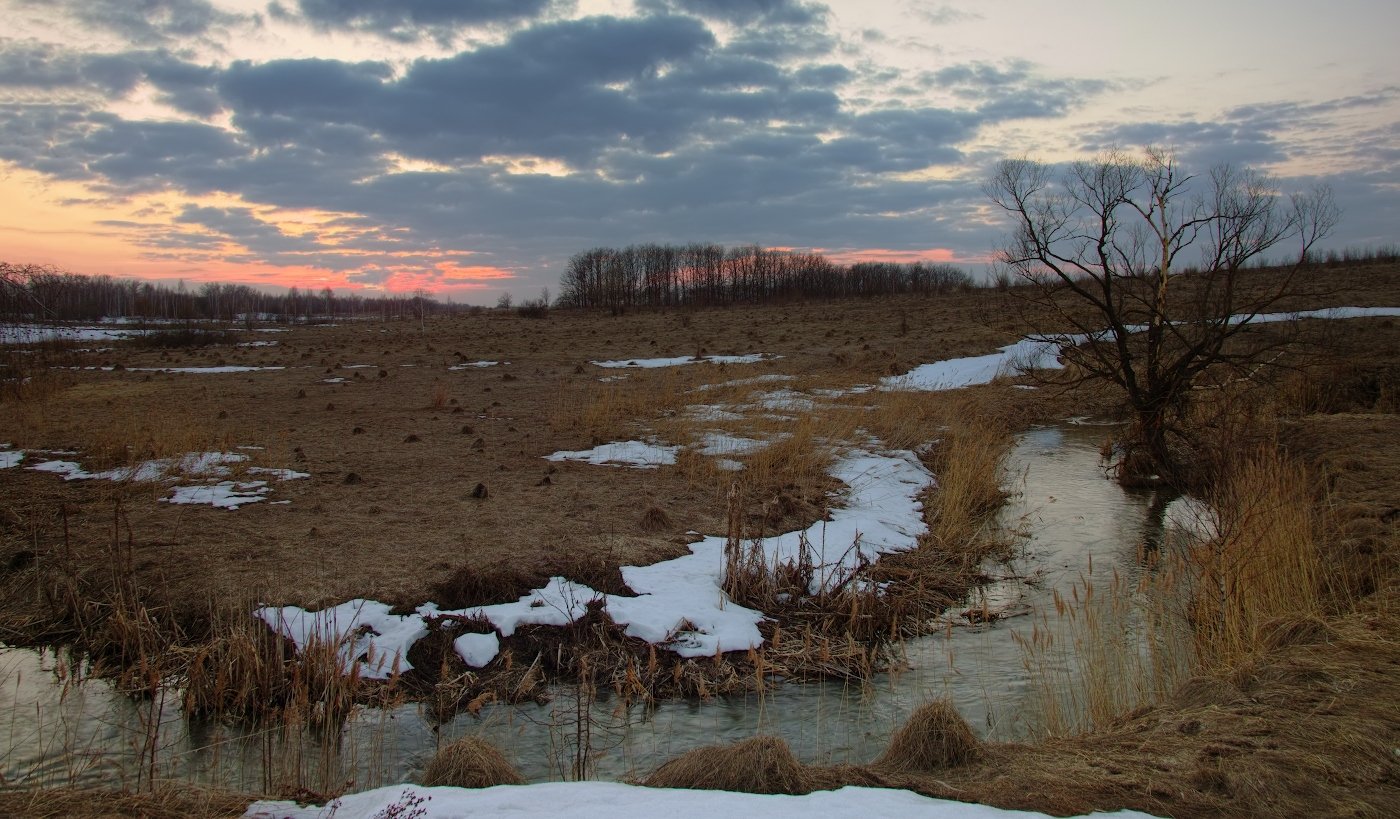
(43, 293)
(654, 275)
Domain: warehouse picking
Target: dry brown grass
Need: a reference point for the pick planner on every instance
(471, 762)
(759, 765)
(966, 459)
(934, 737)
(1264, 565)
(170, 801)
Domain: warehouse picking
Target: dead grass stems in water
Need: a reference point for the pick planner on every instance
(1226, 588)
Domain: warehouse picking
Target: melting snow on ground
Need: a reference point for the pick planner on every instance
(10, 458)
(221, 494)
(636, 454)
(473, 364)
(677, 361)
(195, 464)
(605, 800)
(228, 368)
(679, 604)
(1043, 353)
(34, 333)
(770, 378)
(721, 443)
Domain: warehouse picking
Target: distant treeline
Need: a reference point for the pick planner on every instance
(706, 274)
(34, 292)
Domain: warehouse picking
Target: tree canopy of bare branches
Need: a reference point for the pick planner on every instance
(712, 275)
(1153, 265)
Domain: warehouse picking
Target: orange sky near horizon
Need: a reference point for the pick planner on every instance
(68, 226)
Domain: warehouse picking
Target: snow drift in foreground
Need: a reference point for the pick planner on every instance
(606, 800)
(679, 604)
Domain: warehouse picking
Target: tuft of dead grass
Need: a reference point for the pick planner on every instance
(934, 737)
(762, 764)
(471, 762)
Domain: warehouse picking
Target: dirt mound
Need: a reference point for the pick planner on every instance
(758, 765)
(935, 737)
(471, 762)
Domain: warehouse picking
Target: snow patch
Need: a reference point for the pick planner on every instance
(605, 800)
(221, 495)
(476, 650)
(679, 604)
(473, 364)
(650, 363)
(720, 443)
(224, 369)
(636, 454)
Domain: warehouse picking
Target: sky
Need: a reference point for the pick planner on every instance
(469, 147)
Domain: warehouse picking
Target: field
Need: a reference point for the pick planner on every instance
(425, 448)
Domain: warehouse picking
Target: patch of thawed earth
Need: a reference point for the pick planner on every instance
(210, 466)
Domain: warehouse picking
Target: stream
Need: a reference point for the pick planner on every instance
(1072, 518)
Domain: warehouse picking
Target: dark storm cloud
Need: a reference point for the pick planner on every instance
(410, 19)
(144, 22)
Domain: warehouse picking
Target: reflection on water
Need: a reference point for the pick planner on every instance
(1073, 517)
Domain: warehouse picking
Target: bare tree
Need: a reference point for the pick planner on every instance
(1149, 265)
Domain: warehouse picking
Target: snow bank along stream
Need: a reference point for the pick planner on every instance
(678, 604)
